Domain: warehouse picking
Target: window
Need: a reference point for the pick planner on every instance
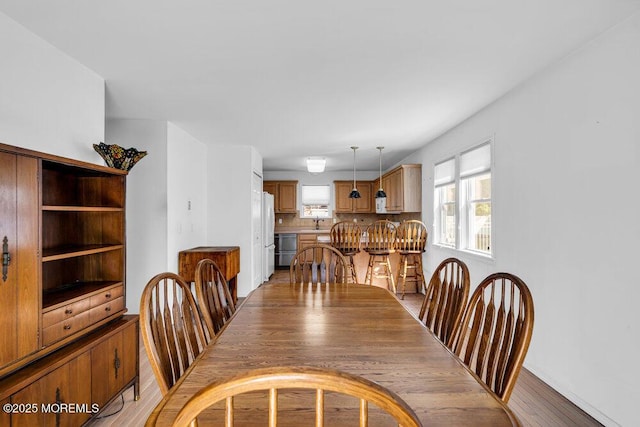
(315, 201)
(446, 202)
(463, 200)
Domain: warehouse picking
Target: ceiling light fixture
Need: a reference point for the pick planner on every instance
(316, 165)
(380, 193)
(355, 194)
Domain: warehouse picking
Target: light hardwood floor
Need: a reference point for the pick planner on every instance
(534, 402)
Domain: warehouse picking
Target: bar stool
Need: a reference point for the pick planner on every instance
(345, 236)
(381, 236)
(411, 240)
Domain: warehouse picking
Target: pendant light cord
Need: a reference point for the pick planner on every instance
(380, 193)
(354, 166)
(380, 148)
(355, 194)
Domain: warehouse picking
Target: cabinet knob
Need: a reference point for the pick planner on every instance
(66, 327)
(68, 311)
(107, 309)
(107, 295)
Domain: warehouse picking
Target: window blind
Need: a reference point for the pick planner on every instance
(445, 172)
(475, 161)
(315, 194)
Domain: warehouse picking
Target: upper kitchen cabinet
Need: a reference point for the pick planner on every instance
(284, 195)
(346, 205)
(403, 186)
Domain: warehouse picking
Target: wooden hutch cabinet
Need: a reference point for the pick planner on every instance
(62, 290)
(284, 195)
(344, 204)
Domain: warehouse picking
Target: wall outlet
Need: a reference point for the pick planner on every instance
(279, 220)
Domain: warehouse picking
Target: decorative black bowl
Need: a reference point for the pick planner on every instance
(118, 157)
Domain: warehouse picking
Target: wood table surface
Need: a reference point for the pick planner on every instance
(360, 329)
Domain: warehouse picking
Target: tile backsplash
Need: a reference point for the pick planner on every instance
(294, 221)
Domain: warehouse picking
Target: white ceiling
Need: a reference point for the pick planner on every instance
(296, 78)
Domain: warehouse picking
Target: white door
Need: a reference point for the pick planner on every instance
(256, 231)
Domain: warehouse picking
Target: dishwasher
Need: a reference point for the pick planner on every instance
(286, 244)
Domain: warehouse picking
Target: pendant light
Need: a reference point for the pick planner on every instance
(355, 194)
(380, 193)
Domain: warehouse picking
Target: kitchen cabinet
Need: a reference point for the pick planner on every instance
(403, 186)
(306, 240)
(284, 195)
(343, 204)
(270, 187)
(309, 239)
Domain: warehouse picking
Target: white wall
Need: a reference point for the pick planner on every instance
(230, 174)
(48, 101)
(159, 187)
(566, 210)
(147, 229)
(186, 193)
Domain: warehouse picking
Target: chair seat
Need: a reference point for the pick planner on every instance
(378, 251)
(348, 251)
(406, 252)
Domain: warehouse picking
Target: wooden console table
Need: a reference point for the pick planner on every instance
(227, 258)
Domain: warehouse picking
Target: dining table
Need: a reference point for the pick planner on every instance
(360, 329)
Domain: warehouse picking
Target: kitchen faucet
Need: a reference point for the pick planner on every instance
(317, 220)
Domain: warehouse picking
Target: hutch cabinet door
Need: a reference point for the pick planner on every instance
(5, 417)
(61, 386)
(19, 278)
(114, 364)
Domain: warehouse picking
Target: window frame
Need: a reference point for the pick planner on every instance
(467, 213)
(463, 203)
(441, 189)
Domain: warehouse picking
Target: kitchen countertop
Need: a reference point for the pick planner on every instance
(296, 230)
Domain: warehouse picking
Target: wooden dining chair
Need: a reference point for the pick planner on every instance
(318, 264)
(493, 337)
(411, 240)
(445, 299)
(275, 380)
(171, 328)
(380, 242)
(213, 296)
(346, 236)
